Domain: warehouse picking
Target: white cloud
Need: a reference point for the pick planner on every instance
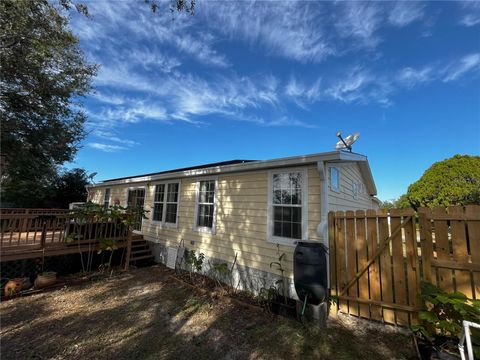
(107, 135)
(405, 12)
(359, 20)
(411, 77)
(106, 147)
(471, 13)
(360, 85)
(462, 66)
(290, 29)
(302, 93)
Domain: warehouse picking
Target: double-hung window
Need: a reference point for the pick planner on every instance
(165, 203)
(205, 212)
(106, 199)
(288, 211)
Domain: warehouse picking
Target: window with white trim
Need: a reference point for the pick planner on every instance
(165, 203)
(157, 214)
(334, 179)
(106, 199)
(206, 205)
(288, 207)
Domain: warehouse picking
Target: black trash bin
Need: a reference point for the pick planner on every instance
(310, 271)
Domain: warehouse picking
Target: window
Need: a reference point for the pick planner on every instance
(106, 199)
(205, 217)
(334, 179)
(165, 204)
(136, 198)
(158, 203)
(288, 209)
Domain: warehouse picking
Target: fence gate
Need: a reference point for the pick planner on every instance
(377, 259)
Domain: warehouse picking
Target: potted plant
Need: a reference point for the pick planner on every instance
(45, 279)
(438, 333)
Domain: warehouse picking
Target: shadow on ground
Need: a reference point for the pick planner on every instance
(147, 315)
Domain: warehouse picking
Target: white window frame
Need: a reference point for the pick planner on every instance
(283, 240)
(205, 229)
(109, 197)
(127, 190)
(136, 188)
(163, 222)
(333, 188)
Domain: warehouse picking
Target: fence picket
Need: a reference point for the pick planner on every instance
(412, 266)
(445, 278)
(362, 262)
(341, 258)
(463, 279)
(374, 269)
(473, 227)
(351, 261)
(398, 261)
(386, 268)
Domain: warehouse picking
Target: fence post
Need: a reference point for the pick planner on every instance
(129, 247)
(332, 253)
(426, 243)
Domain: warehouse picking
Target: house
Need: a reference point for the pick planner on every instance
(254, 210)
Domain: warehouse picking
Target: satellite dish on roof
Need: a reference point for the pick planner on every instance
(347, 142)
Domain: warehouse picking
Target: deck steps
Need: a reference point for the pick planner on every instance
(140, 251)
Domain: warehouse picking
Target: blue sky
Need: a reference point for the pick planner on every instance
(261, 80)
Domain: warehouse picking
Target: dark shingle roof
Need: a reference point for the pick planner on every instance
(222, 163)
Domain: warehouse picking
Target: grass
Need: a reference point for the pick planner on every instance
(146, 315)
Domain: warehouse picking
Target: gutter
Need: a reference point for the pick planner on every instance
(322, 227)
(250, 166)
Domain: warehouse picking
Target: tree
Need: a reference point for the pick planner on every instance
(44, 75)
(454, 181)
(69, 187)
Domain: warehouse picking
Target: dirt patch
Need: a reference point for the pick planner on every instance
(144, 314)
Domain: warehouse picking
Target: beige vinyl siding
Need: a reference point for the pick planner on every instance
(241, 219)
(344, 199)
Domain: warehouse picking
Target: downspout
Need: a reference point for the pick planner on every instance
(322, 227)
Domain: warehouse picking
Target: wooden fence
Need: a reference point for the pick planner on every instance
(378, 259)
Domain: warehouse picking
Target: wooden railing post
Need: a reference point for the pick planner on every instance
(43, 237)
(129, 247)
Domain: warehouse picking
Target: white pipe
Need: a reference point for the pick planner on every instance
(466, 338)
(322, 227)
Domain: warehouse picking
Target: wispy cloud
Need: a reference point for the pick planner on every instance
(405, 12)
(471, 13)
(462, 66)
(360, 85)
(290, 29)
(106, 147)
(411, 77)
(360, 21)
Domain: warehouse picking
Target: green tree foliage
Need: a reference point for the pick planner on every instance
(454, 181)
(44, 75)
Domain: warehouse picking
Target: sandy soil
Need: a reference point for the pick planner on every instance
(145, 314)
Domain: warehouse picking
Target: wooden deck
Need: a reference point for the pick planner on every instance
(40, 233)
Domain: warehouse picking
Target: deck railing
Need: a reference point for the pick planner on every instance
(40, 228)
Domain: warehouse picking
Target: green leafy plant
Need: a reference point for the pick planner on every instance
(194, 262)
(267, 295)
(90, 223)
(219, 272)
(280, 283)
(444, 312)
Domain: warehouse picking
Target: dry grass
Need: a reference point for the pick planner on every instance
(146, 315)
